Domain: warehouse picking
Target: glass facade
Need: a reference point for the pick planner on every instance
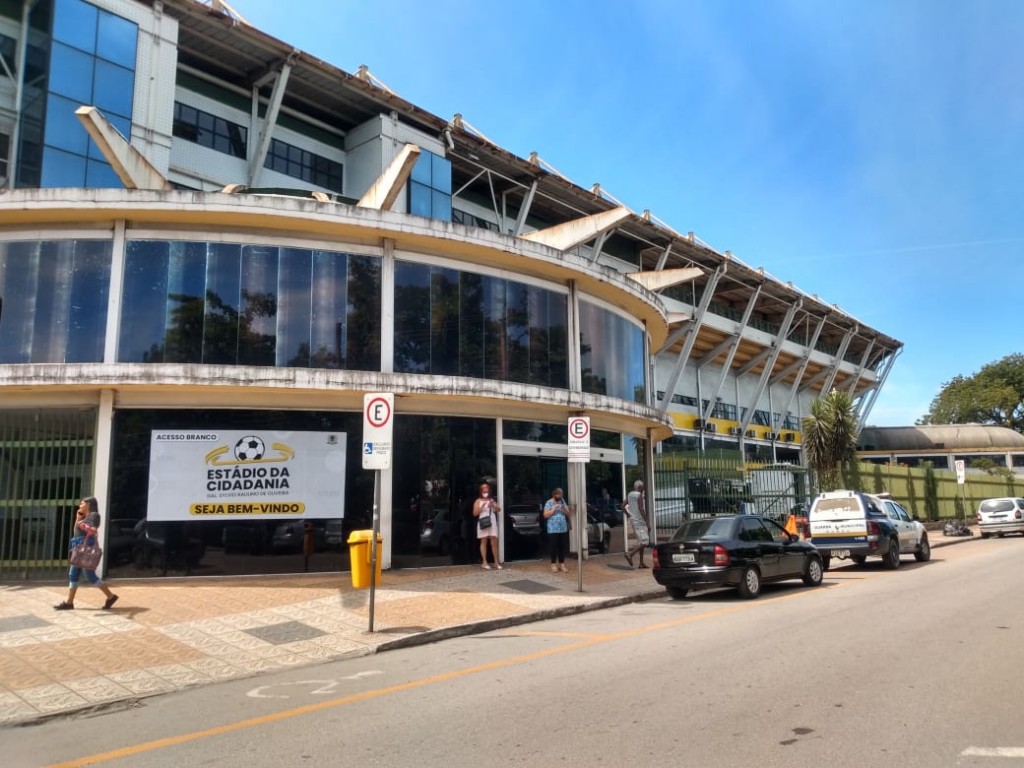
(54, 296)
(137, 547)
(612, 352)
(430, 187)
(460, 323)
(438, 464)
(232, 304)
(78, 55)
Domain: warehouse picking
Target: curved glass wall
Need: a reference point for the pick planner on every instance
(232, 304)
(54, 295)
(612, 354)
(449, 322)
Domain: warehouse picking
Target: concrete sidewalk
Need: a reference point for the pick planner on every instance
(165, 635)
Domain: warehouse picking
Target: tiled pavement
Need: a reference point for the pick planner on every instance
(165, 635)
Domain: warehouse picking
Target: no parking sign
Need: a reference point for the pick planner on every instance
(579, 439)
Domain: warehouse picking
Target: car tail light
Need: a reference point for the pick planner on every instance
(721, 555)
(978, 516)
(654, 558)
(873, 529)
(1017, 513)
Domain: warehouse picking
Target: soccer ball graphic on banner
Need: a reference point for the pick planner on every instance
(250, 448)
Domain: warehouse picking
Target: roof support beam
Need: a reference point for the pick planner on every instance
(717, 350)
(781, 375)
(682, 326)
(130, 165)
(384, 191)
(692, 329)
(566, 236)
(814, 379)
(732, 345)
(269, 121)
(803, 365)
(524, 209)
(663, 259)
(855, 380)
(599, 245)
(843, 346)
(661, 279)
(865, 407)
(780, 337)
(755, 361)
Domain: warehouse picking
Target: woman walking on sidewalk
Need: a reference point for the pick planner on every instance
(87, 524)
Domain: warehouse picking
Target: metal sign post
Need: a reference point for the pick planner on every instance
(378, 430)
(578, 455)
(961, 478)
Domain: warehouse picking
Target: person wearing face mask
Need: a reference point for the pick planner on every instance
(486, 510)
(556, 518)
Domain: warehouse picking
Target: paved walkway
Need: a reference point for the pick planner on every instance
(165, 635)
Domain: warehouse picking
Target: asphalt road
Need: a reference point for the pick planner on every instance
(918, 667)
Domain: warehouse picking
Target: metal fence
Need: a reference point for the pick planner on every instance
(46, 462)
(690, 484)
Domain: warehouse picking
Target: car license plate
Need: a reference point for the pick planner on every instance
(683, 557)
(840, 553)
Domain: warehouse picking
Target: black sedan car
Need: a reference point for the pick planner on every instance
(742, 551)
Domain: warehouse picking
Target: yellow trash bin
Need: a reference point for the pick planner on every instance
(359, 553)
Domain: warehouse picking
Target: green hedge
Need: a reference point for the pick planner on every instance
(931, 494)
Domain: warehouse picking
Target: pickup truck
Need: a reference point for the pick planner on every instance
(850, 524)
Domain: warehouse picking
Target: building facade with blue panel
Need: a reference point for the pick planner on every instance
(300, 236)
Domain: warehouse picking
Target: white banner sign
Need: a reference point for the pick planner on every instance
(246, 474)
(579, 439)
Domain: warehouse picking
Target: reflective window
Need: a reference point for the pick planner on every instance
(430, 187)
(90, 60)
(230, 304)
(100, 175)
(115, 89)
(71, 74)
(63, 130)
(612, 352)
(117, 40)
(451, 322)
(215, 547)
(9, 52)
(210, 131)
(302, 164)
(62, 169)
(438, 463)
(74, 23)
(55, 300)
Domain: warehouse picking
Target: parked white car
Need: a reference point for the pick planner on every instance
(855, 525)
(997, 517)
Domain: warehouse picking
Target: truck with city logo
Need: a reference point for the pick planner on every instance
(853, 525)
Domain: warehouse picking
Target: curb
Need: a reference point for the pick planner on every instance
(489, 625)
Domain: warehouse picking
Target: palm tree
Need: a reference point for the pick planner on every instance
(830, 437)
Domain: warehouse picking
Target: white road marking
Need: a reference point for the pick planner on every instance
(325, 686)
(993, 752)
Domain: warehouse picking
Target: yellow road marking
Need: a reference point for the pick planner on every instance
(538, 633)
(184, 738)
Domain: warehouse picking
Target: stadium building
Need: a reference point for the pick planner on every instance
(213, 246)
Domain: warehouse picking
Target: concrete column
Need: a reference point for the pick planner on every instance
(104, 453)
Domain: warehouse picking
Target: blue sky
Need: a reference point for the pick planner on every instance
(869, 151)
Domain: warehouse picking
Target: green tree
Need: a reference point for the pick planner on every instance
(830, 437)
(993, 395)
